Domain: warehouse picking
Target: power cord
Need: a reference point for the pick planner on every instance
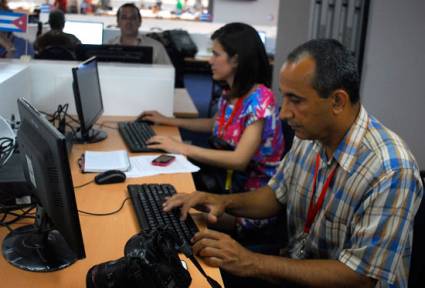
(107, 213)
(9, 211)
(59, 118)
(85, 184)
(107, 126)
(6, 147)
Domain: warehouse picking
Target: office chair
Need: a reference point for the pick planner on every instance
(417, 262)
(176, 57)
(56, 53)
(216, 90)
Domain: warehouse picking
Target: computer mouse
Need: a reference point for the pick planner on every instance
(109, 177)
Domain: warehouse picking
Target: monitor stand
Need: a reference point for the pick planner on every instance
(37, 249)
(91, 136)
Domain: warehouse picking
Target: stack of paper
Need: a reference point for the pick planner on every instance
(100, 161)
(142, 166)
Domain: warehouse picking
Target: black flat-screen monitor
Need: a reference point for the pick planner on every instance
(88, 101)
(54, 241)
(116, 53)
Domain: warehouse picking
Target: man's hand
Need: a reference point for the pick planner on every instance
(205, 202)
(220, 250)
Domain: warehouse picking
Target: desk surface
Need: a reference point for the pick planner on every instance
(104, 237)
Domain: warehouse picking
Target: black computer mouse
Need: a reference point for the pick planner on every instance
(109, 177)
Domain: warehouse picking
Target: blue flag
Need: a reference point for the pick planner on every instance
(13, 22)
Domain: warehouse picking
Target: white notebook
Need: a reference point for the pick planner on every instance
(100, 161)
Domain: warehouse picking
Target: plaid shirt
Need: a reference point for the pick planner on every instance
(366, 221)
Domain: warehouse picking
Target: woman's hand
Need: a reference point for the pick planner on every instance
(155, 117)
(168, 144)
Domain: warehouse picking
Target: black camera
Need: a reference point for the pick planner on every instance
(150, 261)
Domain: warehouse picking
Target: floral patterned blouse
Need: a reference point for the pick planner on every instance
(258, 105)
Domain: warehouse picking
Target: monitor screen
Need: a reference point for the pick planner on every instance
(87, 32)
(116, 53)
(88, 101)
(55, 240)
(262, 35)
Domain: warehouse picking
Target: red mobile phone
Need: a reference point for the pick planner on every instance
(163, 160)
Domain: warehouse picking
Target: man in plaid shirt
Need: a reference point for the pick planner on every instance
(349, 186)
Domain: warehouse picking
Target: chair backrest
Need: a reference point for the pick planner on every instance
(56, 53)
(176, 56)
(417, 264)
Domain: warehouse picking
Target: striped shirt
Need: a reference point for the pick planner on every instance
(366, 221)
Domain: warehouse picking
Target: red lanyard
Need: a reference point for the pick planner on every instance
(315, 207)
(223, 126)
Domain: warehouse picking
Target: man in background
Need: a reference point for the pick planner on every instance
(129, 21)
(56, 36)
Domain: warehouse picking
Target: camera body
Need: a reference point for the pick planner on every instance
(150, 261)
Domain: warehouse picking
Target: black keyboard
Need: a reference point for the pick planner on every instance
(135, 135)
(147, 201)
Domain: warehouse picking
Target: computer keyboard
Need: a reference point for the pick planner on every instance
(147, 201)
(135, 135)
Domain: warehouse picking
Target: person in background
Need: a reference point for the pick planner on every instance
(61, 5)
(247, 139)
(129, 21)
(349, 187)
(7, 48)
(56, 36)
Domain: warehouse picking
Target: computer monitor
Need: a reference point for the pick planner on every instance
(116, 53)
(88, 101)
(54, 241)
(87, 32)
(262, 35)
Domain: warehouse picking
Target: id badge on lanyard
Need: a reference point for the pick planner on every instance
(297, 250)
(299, 244)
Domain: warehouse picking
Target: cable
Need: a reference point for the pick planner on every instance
(107, 213)
(8, 208)
(187, 251)
(85, 184)
(6, 146)
(107, 126)
(17, 216)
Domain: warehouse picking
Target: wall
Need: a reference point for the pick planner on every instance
(259, 12)
(393, 66)
(290, 33)
(11, 88)
(127, 89)
(394, 62)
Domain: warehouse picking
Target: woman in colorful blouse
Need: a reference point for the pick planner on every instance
(247, 118)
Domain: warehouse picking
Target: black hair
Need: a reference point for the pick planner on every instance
(253, 66)
(129, 5)
(57, 19)
(336, 67)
